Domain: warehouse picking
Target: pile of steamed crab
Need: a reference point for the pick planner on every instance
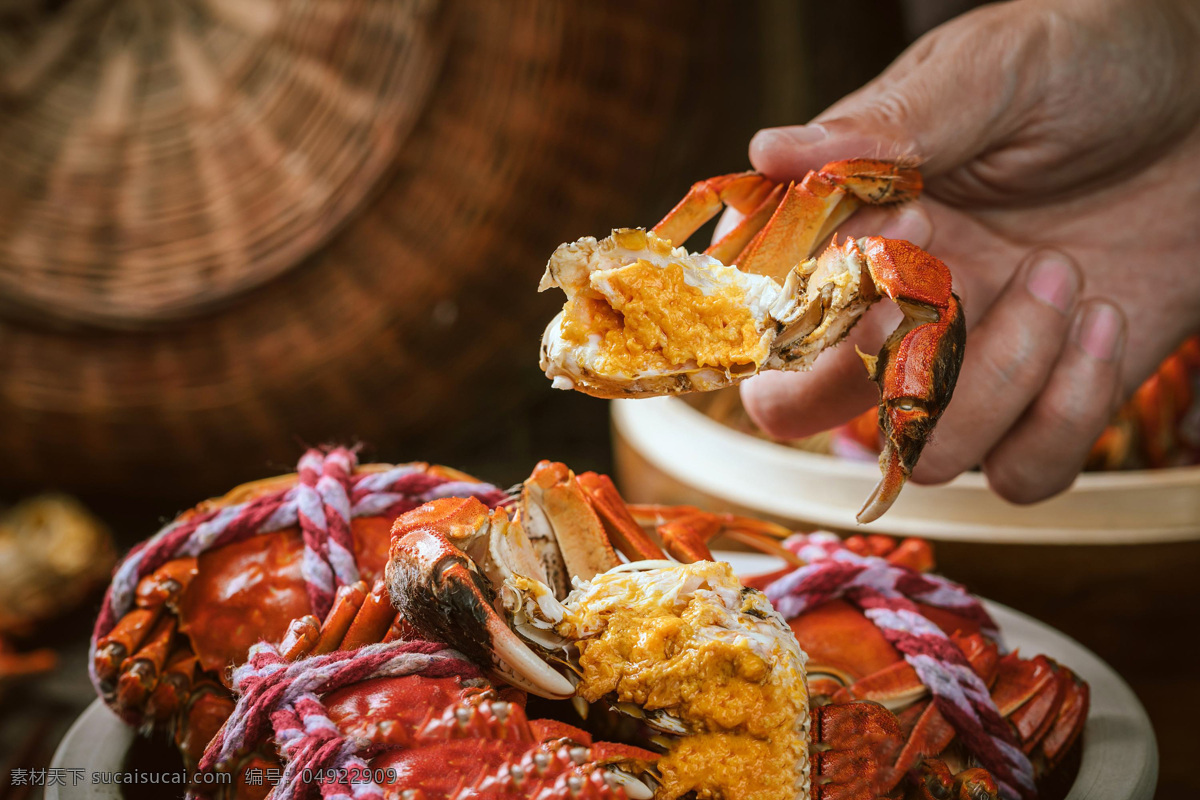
(407, 631)
(555, 641)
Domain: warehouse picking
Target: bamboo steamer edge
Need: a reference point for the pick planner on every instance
(667, 451)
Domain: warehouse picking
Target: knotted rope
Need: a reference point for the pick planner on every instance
(887, 595)
(282, 699)
(327, 495)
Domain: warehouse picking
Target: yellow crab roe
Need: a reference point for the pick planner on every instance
(747, 746)
(657, 321)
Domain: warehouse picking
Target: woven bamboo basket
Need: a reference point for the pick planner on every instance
(229, 226)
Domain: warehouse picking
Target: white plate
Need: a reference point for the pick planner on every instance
(1120, 756)
(701, 454)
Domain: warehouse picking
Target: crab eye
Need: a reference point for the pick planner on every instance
(908, 404)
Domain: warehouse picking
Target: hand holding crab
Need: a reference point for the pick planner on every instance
(1053, 189)
(645, 317)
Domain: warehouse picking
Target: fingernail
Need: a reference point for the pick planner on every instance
(808, 134)
(1101, 331)
(1053, 280)
(797, 136)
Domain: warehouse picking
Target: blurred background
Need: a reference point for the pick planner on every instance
(230, 229)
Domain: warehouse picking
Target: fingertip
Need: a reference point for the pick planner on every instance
(782, 404)
(765, 398)
(1020, 486)
(911, 222)
(1053, 278)
(933, 470)
(1044, 452)
(769, 148)
(1100, 329)
(788, 152)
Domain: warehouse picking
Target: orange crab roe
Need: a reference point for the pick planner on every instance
(656, 321)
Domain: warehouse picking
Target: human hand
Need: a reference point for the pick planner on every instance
(1060, 145)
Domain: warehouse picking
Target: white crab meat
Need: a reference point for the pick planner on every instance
(645, 318)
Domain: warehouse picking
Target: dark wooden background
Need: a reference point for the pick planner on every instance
(1136, 607)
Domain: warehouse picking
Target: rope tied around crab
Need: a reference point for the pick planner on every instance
(327, 495)
(282, 698)
(886, 593)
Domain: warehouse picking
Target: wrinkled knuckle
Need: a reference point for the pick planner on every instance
(1020, 363)
(1074, 416)
(893, 109)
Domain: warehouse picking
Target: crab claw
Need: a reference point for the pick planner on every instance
(918, 366)
(441, 591)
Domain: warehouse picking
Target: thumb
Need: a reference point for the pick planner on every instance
(950, 97)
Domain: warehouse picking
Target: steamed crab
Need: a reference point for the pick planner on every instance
(165, 640)
(564, 591)
(703, 662)
(685, 648)
(646, 317)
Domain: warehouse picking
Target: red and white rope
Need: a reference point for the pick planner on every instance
(327, 495)
(887, 595)
(281, 699)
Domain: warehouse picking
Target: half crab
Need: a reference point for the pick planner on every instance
(705, 667)
(646, 317)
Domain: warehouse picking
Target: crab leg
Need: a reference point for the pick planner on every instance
(930, 735)
(686, 530)
(139, 672)
(625, 533)
(123, 639)
(916, 554)
(744, 191)
(727, 248)
(918, 366)
(173, 688)
(301, 637)
(812, 209)
(894, 687)
(346, 604)
(1068, 724)
(842, 764)
(373, 620)
(934, 780)
(686, 537)
(208, 708)
(165, 585)
(554, 500)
